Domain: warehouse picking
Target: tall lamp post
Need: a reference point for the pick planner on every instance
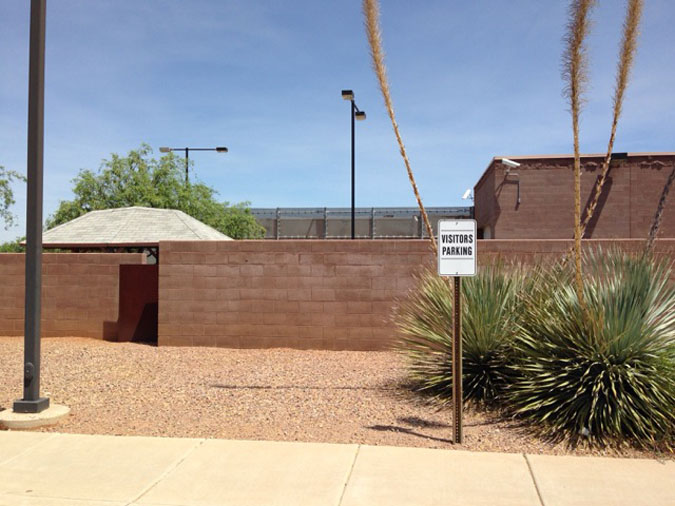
(219, 149)
(356, 113)
(31, 401)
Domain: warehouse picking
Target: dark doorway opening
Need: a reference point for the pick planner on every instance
(138, 296)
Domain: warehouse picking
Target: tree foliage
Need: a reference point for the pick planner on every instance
(7, 195)
(139, 180)
(12, 246)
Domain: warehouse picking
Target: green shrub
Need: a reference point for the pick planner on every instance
(489, 324)
(605, 369)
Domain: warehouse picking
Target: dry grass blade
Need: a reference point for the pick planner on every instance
(654, 231)
(372, 13)
(575, 75)
(627, 56)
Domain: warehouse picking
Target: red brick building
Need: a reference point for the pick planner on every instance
(536, 199)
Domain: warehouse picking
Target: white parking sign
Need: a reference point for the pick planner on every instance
(457, 247)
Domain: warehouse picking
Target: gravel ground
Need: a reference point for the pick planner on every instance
(278, 394)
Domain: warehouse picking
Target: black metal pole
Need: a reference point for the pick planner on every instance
(32, 402)
(187, 164)
(353, 171)
(457, 394)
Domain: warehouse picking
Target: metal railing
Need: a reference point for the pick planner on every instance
(335, 222)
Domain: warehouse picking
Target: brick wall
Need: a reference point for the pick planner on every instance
(529, 252)
(626, 208)
(306, 293)
(80, 293)
(301, 294)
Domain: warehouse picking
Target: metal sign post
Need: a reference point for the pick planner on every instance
(457, 393)
(457, 258)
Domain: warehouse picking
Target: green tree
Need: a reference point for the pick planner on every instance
(139, 180)
(12, 246)
(7, 195)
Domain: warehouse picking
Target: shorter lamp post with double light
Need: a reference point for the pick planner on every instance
(356, 113)
(219, 149)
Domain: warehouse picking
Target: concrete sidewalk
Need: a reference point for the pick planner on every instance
(47, 469)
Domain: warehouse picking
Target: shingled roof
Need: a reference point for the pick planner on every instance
(129, 227)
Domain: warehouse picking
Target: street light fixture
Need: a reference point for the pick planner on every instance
(359, 115)
(164, 149)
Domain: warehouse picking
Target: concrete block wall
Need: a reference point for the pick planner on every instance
(316, 294)
(290, 293)
(529, 252)
(80, 293)
(255, 294)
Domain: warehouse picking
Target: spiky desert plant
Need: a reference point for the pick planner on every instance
(371, 11)
(626, 57)
(489, 323)
(604, 370)
(575, 65)
(656, 223)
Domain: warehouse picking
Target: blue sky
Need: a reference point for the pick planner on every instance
(470, 80)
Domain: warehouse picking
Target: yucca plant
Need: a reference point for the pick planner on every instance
(489, 324)
(605, 369)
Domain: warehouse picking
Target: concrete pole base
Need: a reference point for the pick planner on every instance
(10, 419)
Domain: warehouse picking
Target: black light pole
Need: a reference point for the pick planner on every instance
(187, 165)
(219, 149)
(31, 401)
(353, 221)
(359, 115)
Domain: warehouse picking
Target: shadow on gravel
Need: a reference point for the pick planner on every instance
(414, 421)
(294, 387)
(405, 430)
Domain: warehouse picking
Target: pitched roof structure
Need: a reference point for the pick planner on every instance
(129, 227)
